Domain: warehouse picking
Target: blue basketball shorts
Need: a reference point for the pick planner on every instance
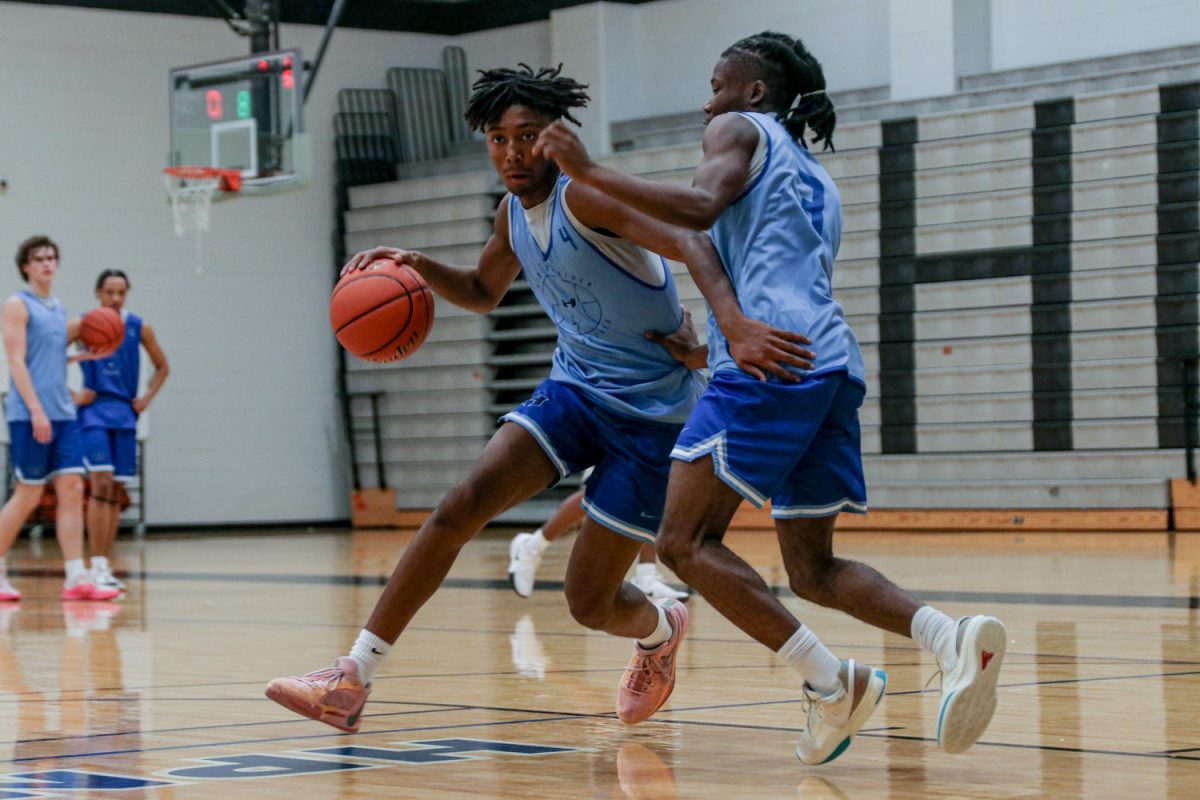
(796, 444)
(632, 457)
(110, 450)
(35, 463)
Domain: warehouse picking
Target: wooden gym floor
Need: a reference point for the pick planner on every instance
(489, 695)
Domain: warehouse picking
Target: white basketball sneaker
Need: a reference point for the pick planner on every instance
(103, 578)
(525, 556)
(969, 687)
(657, 589)
(834, 719)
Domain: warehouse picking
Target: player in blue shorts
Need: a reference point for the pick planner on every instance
(614, 400)
(109, 406)
(43, 432)
(775, 217)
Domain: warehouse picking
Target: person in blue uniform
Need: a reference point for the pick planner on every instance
(43, 430)
(109, 405)
(614, 400)
(775, 217)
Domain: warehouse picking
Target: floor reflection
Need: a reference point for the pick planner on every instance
(84, 697)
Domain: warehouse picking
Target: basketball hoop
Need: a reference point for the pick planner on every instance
(191, 191)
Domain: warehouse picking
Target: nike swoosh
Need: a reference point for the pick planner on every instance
(376, 652)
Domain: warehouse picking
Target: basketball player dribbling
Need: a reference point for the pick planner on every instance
(43, 430)
(614, 400)
(775, 218)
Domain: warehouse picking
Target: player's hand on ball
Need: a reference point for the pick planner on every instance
(366, 257)
(80, 356)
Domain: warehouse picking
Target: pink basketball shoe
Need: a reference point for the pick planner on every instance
(650, 676)
(334, 696)
(8, 592)
(88, 591)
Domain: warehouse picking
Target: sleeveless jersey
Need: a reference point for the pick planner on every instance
(778, 241)
(115, 382)
(602, 313)
(46, 358)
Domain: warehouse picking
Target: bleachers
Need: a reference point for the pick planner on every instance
(1022, 278)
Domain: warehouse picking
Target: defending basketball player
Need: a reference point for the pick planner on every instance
(775, 217)
(109, 406)
(43, 429)
(615, 399)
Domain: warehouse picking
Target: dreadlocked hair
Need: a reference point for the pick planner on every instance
(795, 83)
(497, 90)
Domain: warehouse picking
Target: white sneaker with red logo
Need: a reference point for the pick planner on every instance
(969, 687)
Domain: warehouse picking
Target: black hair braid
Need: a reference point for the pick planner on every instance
(795, 83)
(497, 90)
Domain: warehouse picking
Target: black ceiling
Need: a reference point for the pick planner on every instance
(446, 17)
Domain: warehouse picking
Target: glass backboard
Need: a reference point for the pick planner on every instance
(245, 114)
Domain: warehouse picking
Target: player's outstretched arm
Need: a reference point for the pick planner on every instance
(729, 142)
(756, 347)
(477, 289)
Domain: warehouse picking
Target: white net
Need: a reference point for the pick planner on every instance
(191, 197)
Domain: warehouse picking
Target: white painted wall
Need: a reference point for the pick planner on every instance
(1028, 33)
(680, 41)
(504, 48)
(922, 49)
(592, 42)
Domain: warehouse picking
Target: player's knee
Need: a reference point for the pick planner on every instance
(102, 485)
(69, 489)
(676, 548)
(588, 608)
(811, 581)
(460, 514)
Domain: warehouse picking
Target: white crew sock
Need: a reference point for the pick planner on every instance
(76, 572)
(661, 633)
(644, 573)
(937, 633)
(368, 652)
(813, 660)
(538, 541)
(99, 563)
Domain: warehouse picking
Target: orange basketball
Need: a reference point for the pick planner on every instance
(382, 312)
(102, 330)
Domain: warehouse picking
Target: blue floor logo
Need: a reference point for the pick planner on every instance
(63, 782)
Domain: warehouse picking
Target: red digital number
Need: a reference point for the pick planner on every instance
(213, 104)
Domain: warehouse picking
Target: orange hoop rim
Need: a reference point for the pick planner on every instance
(231, 179)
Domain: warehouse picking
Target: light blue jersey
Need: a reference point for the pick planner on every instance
(778, 241)
(115, 382)
(46, 358)
(602, 312)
